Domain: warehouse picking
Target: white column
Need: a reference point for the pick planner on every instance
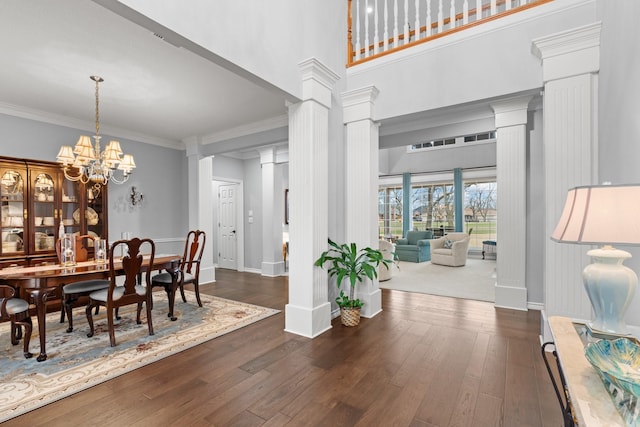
(272, 261)
(201, 203)
(570, 65)
(308, 312)
(362, 184)
(511, 162)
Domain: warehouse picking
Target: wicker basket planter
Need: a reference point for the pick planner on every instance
(350, 316)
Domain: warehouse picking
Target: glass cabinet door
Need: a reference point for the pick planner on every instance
(70, 211)
(95, 216)
(12, 215)
(44, 214)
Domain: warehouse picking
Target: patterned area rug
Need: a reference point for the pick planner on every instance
(76, 362)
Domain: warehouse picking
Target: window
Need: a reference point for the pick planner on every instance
(432, 206)
(480, 214)
(390, 212)
(459, 141)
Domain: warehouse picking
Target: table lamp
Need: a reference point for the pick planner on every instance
(604, 215)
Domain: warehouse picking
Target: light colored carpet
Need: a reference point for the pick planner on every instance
(476, 280)
(76, 362)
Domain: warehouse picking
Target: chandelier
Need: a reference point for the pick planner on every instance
(87, 164)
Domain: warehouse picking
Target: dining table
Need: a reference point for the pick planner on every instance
(38, 283)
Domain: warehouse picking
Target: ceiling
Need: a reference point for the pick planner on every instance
(153, 91)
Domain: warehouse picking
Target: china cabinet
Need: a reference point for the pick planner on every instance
(36, 200)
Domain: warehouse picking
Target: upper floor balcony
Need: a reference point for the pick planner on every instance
(381, 27)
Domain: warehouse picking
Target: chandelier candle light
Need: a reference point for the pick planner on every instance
(604, 214)
(86, 163)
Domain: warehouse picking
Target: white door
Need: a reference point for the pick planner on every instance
(227, 226)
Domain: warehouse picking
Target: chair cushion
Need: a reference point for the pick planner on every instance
(162, 278)
(101, 295)
(16, 305)
(85, 286)
(448, 244)
(413, 236)
(165, 278)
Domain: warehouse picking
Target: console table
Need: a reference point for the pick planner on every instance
(592, 404)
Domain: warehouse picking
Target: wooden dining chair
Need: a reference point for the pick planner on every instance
(16, 311)
(130, 292)
(189, 267)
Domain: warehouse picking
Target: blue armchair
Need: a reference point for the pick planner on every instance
(415, 247)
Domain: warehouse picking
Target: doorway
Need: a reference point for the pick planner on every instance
(227, 226)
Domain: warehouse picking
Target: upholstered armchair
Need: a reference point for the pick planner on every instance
(450, 249)
(415, 247)
(387, 249)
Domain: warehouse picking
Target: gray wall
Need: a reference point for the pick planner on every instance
(160, 176)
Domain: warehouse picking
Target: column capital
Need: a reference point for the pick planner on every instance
(267, 155)
(193, 146)
(358, 104)
(569, 53)
(317, 81)
(511, 112)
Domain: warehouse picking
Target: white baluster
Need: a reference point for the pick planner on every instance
(440, 18)
(366, 29)
(478, 10)
(417, 24)
(465, 12)
(452, 15)
(357, 53)
(494, 7)
(508, 5)
(386, 28)
(428, 18)
(376, 39)
(406, 21)
(396, 42)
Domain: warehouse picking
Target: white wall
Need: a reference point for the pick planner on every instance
(619, 107)
(267, 38)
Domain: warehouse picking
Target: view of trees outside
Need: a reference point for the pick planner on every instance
(432, 207)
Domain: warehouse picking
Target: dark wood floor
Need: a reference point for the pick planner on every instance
(424, 361)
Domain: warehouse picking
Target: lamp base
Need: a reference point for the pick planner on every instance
(610, 287)
(595, 333)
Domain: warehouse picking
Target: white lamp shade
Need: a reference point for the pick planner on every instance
(127, 164)
(115, 146)
(600, 214)
(84, 142)
(65, 155)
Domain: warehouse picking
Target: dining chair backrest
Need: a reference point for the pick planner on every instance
(132, 261)
(193, 249)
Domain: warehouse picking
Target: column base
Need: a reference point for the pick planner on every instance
(307, 322)
(511, 297)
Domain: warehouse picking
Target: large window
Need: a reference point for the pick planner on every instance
(480, 214)
(431, 205)
(390, 212)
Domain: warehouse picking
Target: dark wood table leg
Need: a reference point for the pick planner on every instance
(39, 297)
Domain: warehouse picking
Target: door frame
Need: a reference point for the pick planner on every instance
(217, 180)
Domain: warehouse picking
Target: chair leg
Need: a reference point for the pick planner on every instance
(149, 320)
(138, 319)
(68, 307)
(184, 299)
(112, 332)
(90, 320)
(196, 287)
(16, 333)
(28, 328)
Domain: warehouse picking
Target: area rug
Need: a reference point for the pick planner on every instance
(76, 362)
(476, 280)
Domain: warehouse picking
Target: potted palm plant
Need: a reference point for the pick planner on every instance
(347, 261)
